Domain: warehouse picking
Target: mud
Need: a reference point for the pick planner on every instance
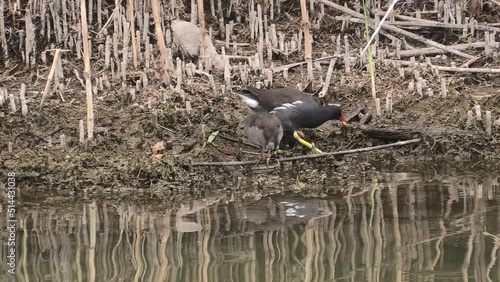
(120, 159)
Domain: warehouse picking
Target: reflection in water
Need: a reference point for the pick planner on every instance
(399, 228)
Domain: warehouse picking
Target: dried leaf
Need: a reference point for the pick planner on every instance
(160, 145)
(212, 136)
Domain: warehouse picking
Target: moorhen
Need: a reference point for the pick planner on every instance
(294, 108)
(265, 130)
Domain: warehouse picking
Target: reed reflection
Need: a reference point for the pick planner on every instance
(397, 227)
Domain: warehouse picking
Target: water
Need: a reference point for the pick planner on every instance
(403, 226)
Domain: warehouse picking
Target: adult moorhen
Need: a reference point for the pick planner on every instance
(265, 130)
(294, 108)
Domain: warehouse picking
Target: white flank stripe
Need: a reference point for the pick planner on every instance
(286, 106)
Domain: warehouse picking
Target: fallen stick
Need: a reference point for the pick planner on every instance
(237, 57)
(430, 23)
(50, 77)
(355, 20)
(389, 134)
(233, 43)
(441, 68)
(434, 24)
(338, 153)
(237, 141)
(469, 62)
(293, 65)
(432, 50)
(396, 29)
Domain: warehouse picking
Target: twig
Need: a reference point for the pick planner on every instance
(441, 68)
(242, 44)
(433, 24)
(379, 26)
(50, 77)
(429, 23)
(495, 2)
(432, 50)
(469, 62)
(355, 20)
(339, 153)
(293, 65)
(209, 76)
(237, 57)
(237, 141)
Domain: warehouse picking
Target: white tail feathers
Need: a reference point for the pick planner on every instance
(252, 103)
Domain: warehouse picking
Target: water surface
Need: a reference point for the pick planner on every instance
(403, 226)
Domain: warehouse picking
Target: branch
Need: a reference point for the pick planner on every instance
(338, 153)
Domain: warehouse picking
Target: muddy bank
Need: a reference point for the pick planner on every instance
(120, 158)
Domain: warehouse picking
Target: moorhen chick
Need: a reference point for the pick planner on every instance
(265, 130)
(293, 107)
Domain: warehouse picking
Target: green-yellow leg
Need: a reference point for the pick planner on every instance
(305, 143)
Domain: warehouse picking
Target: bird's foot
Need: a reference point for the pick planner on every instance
(305, 143)
(314, 149)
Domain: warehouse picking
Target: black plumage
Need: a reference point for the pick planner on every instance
(294, 108)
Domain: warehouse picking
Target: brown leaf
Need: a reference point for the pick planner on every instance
(160, 145)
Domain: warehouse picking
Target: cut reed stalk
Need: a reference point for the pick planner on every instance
(307, 40)
(477, 108)
(378, 107)
(470, 119)
(388, 105)
(167, 58)
(371, 63)
(487, 123)
(260, 44)
(50, 77)
(22, 97)
(88, 81)
(444, 90)
(3, 37)
(82, 132)
(329, 74)
(130, 9)
(13, 107)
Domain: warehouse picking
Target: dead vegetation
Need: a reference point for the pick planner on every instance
(434, 60)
